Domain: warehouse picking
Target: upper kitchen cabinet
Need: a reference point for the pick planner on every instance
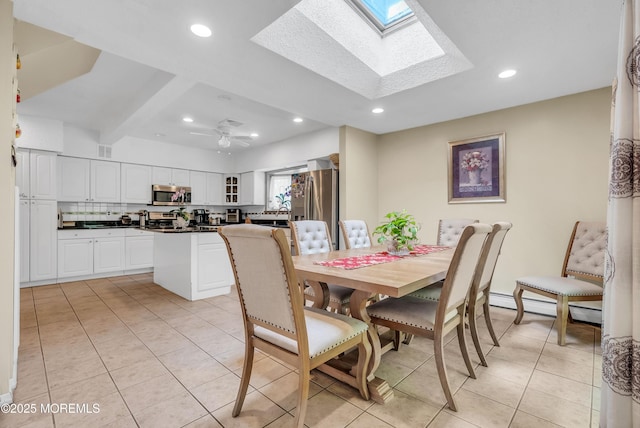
(214, 188)
(84, 180)
(198, 184)
(136, 183)
(22, 174)
(36, 175)
(231, 189)
(170, 176)
(252, 188)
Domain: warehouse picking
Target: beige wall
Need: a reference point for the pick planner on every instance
(556, 173)
(7, 202)
(358, 168)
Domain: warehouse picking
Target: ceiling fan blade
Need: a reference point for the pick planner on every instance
(229, 123)
(245, 138)
(240, 143)
(201, 133)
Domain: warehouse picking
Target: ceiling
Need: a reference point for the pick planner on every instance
(152, 70)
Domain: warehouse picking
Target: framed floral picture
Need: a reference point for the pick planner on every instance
(476, 170)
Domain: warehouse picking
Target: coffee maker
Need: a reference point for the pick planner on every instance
(200, 216)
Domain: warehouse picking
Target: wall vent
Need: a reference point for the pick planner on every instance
(104, 151)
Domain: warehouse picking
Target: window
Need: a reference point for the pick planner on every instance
(279, 187)
(384, 15)
(279, 192)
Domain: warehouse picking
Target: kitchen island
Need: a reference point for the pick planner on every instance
(192, 264)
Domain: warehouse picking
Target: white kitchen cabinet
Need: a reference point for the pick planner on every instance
(36, 174)
(170, 176)
(85, 252)
(85, 180)
(231, 189)
(22, 174)
(252, 188)
(213, 267)
(108, 254)
(24, 239)
(105, 181)
(192, 265)
(198, 184)
(214, 188)
(74, 178)
(135, 183)
(75, 257)
(42, 240)
(138, 249)
(42, 175)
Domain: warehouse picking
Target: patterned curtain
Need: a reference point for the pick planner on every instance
(620, 392)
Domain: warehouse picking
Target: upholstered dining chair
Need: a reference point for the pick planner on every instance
(480, 288)
(432, 319)
(450, 229)
(355, 234)
(300, 336)
(312, 237)
(581, 279)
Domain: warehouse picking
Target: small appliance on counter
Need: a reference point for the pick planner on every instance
(234, 215)
(200, 216)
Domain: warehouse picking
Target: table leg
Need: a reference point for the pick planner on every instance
(320, 292)
(379, 389)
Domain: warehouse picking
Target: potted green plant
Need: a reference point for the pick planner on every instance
(400, 232)
(182, 218)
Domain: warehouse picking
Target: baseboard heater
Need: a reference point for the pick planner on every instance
(579, 313)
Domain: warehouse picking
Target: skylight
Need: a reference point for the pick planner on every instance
(384, 15)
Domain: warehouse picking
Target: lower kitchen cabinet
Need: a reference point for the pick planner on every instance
(89, 252)
(42, 240)
(192, 265)
(138, 249)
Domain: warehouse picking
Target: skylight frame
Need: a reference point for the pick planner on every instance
(369, 17)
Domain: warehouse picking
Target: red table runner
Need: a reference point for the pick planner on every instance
(356, 262)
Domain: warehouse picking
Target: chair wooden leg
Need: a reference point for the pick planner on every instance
(487, 319)
(463, 349)
(303, 395)
(407, 339)
(517, 296)
(397, 338)
(562, 309)
(246, 376)
(473, 326)
(438, 348)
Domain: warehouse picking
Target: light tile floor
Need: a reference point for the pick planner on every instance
(146, 357)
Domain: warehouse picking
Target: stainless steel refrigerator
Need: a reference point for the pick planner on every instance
(314, 196)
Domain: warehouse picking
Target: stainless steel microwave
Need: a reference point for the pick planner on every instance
(170, 195)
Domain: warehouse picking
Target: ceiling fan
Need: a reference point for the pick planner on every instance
(223, 131)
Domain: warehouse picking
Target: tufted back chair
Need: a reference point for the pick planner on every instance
(585, 258)
(301, 337)
(450, 229)
(581, 279)
(310, 237)
(355, 233)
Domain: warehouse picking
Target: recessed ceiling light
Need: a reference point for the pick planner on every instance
(201, 30)
(254, 135)
(377, 110)
(297, 119)
(159, 134)
(187, 119)
(507, 73)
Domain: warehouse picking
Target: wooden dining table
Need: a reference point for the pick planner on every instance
(396, 278)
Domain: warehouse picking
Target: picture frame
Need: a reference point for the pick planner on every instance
(476, 170)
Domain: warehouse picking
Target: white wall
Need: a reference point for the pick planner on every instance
(83, 143)
(7, 200)
(358, 176)
(290, 152)
(556, 173)
(40, 133)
